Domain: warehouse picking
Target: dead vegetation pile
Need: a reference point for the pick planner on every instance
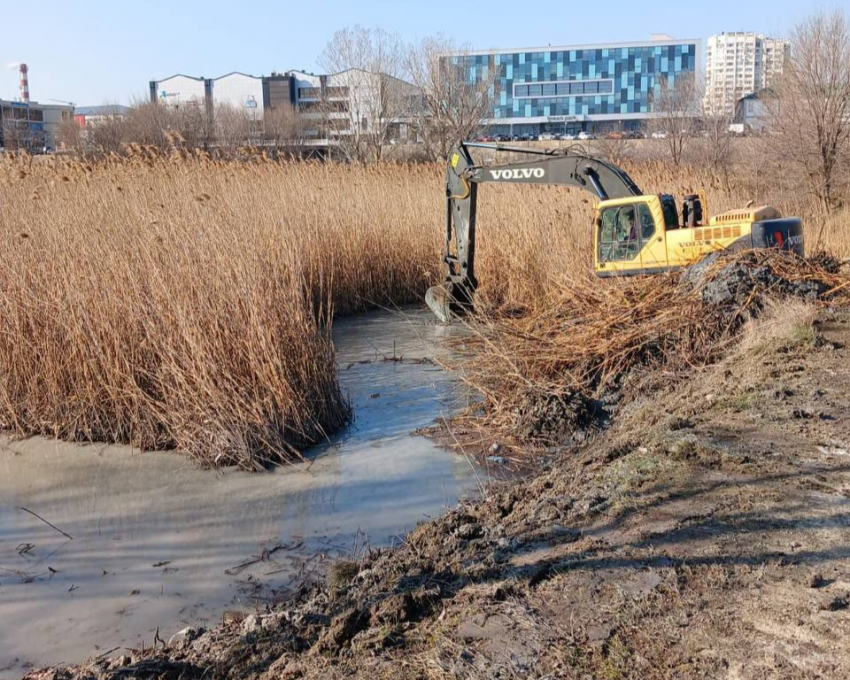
(559, 369)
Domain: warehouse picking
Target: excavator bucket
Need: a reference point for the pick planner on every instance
(439, 301)
(450, 300)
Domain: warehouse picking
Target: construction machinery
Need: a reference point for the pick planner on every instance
(634, 233)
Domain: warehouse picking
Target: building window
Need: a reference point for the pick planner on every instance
(324, 107)
(571, 88)
(309, 92)
(336, 92)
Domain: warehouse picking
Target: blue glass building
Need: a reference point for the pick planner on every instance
(592, 88)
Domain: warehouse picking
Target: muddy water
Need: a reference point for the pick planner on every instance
(160, 545)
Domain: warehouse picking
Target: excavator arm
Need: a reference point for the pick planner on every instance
(604, 180)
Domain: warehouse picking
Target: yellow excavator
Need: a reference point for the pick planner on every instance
(634, 233)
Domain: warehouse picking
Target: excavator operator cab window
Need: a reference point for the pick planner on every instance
(620, 233)
(671, 213)
(647, 223)
(624, 231)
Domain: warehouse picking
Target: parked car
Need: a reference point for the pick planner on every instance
(659, 135)
(585, 136)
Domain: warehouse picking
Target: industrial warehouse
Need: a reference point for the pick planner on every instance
(342, 103)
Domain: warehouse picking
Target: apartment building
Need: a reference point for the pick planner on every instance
(739, 64)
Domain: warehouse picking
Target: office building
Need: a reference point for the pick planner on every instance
(30, 126)
(579, 88)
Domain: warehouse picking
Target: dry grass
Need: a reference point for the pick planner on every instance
(784, 326)
(177, 301)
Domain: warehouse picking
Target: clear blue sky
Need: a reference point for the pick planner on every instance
(98, 51)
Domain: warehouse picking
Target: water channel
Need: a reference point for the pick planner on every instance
(158, 544)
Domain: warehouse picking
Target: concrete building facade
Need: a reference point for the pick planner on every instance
(32, 126)
(579, 88)
(350, 101)
(739, 64)
(179, 90)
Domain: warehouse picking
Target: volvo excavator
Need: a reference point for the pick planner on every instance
(634, 233)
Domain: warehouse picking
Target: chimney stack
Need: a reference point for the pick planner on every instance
(25, 84)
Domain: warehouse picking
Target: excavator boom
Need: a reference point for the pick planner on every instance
(454, 296)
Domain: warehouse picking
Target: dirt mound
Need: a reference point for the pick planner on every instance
(555, 418)
(542, 373)
(738, 280)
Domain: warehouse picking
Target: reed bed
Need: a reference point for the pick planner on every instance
(175, 300)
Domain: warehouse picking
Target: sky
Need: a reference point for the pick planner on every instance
(94, 52)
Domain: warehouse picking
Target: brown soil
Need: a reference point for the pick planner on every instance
(705, 535)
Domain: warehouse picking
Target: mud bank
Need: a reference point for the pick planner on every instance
(158, 544)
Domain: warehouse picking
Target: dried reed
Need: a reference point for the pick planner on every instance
(176, 300)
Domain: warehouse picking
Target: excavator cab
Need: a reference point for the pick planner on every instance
(665, 240)
(634, 233)
(630, 236)
(622, 231)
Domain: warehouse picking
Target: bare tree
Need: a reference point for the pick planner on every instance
(283, 126)
(148, 123)
(71, 137)
(717, 136)
(195, 124)
(108, 133)
(366, 102)
(452, 104)
(232, 127)
(616, 150)
(810, 118)
(676, 107)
